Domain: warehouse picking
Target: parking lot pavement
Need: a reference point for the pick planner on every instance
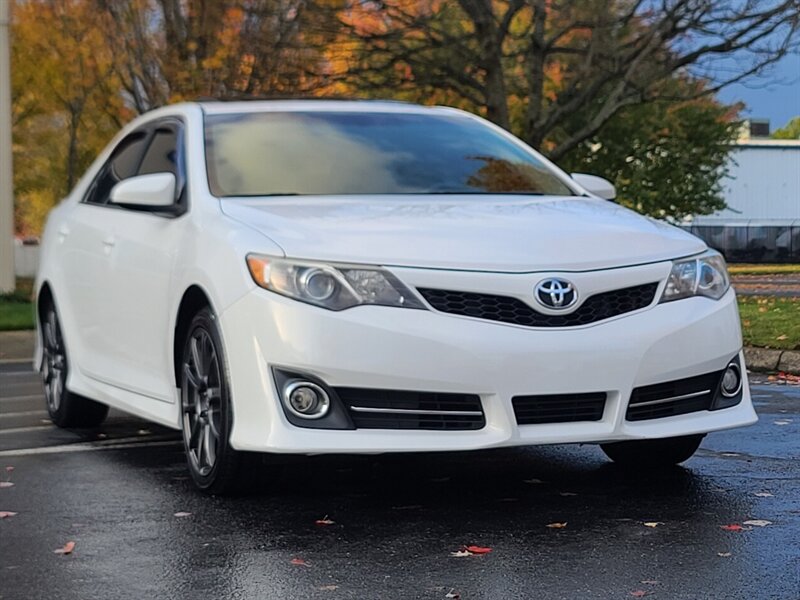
(396, 519)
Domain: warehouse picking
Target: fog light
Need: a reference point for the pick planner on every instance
(731, 381)
(306, 400)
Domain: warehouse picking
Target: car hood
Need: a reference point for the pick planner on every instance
(465, 232)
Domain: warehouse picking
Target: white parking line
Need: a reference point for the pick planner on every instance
(13, 430)
(25, 413)
(20, 398)
(85, 447)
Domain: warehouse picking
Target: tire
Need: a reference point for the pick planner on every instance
(660, 453)
(206, 410)
(65, 408)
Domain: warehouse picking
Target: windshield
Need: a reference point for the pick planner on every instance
(310, 153)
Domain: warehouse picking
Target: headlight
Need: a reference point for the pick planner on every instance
(704, 275)
(332, 287)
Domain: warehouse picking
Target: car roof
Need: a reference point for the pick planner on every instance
(214, 107)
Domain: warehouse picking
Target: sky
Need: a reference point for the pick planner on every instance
(774, 96)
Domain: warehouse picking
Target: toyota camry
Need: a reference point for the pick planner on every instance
(314, 277)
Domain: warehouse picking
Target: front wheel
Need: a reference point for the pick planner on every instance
(65, 408)
(206, 411)
(653, 453)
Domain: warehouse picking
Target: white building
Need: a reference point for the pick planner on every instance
(762, 191)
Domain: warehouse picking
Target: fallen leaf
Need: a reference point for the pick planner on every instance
(67, 549)
(453, 594)
(300, 562)
(477, 549)
(328, 588)
(732, 527)
(638, 593)
(556, 525)
(182, 514)
(758, 522)
(764, 495)
(461, 553)
(532, 481)
(6, 484)
(653, 523)
(724, 554)
(4, 514)
(324, 521)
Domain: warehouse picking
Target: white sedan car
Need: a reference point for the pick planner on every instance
(363, 277)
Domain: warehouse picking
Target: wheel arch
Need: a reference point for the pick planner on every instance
(44, 295)
(194, 299)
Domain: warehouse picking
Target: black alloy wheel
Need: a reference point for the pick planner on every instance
(65, 408)
(206, 411)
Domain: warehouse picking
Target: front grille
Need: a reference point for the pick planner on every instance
(558, 408)
(512, 310)
(673, 398)
(393, 409)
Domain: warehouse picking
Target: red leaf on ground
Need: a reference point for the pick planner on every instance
(733, 527)
(300, 562)
(324, 521)
(6, 484)
(638, 593)
(477, 549)
(556, 525)
(9, 468)
(67, 549)
(4, 514)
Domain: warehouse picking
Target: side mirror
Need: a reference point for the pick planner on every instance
(146, 192)
(596, 185)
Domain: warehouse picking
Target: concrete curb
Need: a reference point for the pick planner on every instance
(18, 346)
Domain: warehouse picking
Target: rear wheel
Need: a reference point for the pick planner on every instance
(653, 453)
(206, 412)
(65, 408)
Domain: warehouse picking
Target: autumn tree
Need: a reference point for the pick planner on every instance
(65, 100)
(174, 50)
(533, 65)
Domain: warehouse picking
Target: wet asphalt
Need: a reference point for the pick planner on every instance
(115, 492)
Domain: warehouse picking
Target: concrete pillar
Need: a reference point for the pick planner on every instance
(7, 282)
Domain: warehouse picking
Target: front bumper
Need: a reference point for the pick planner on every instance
(404, 349)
